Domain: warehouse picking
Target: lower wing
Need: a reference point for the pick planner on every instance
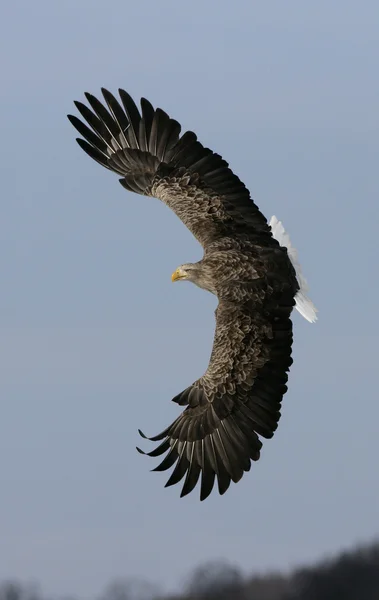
(237, 400)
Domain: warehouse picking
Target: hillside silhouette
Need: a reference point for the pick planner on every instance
(352, 575)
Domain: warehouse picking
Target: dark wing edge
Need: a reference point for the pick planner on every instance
(216, 436)
(144, 147)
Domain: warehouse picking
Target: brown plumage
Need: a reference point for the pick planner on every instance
(238, 399)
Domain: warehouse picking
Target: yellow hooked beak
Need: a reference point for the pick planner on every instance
(178, 274)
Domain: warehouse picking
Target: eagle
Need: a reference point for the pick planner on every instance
(248, 263)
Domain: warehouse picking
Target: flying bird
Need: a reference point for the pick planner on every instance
(248, 263)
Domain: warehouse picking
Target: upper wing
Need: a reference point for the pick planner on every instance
(147, 151)
(238, 398)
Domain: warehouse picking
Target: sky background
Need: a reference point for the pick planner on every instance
(95, 339)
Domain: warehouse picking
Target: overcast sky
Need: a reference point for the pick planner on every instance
(96, 340)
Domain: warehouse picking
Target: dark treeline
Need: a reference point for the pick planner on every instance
(352, 575)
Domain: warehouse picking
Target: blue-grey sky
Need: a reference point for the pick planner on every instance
(96, 339)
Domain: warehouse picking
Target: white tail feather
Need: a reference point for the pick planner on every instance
(304, 305)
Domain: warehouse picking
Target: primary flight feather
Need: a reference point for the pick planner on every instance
(248, 264)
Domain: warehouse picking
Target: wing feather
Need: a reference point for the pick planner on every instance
(193, 472)
(133, 116)
(125, 140)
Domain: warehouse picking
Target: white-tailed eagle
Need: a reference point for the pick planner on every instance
(248, 264)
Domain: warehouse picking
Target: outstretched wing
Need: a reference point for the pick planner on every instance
(147, 151)
(238, 398)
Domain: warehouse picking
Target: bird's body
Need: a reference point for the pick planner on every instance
(257, 283)
(237, 262)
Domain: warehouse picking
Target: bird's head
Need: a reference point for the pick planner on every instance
(198, 273)
(188, 271)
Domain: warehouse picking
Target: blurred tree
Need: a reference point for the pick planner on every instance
(272, 586)
(130, 589)
(216, 580)
(352, 576)
(12, 590)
